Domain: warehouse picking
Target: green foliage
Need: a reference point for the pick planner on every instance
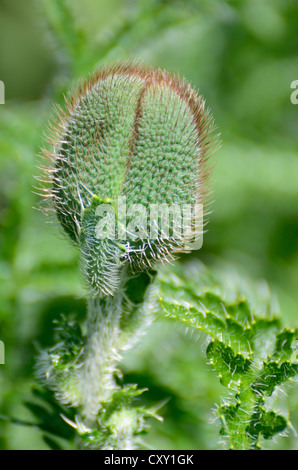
(120, 422)
(266, 423)
(243, 57)
(69, 343)
(230, 366)
(251, 354)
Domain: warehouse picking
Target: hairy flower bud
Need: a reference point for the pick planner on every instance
(132, 141)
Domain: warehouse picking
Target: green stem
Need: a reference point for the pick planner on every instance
(96, 377)
(114, 323)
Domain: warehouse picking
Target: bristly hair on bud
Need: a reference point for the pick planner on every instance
(132, 132)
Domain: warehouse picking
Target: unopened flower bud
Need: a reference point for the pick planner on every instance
(128, 162)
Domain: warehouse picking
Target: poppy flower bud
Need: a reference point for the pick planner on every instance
(128, 170)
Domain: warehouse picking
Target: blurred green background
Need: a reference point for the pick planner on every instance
(242, 55)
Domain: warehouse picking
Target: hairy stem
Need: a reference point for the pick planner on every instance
(114, 323)
(96, 381)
